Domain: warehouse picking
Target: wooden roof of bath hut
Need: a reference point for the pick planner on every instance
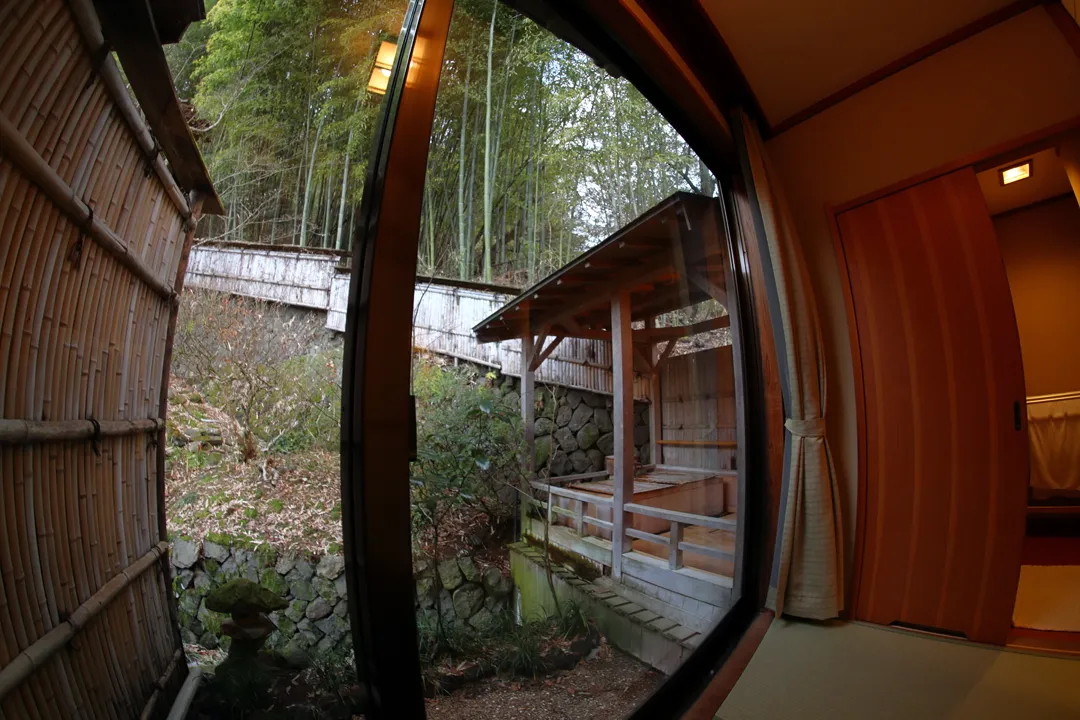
(671, 257)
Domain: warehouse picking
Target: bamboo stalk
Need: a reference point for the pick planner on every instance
(22, 432)
(45, 647)
(15, 146)
(89, 26)
(148, 710)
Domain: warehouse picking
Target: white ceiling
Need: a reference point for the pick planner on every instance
(1048, 179)
(796, 52)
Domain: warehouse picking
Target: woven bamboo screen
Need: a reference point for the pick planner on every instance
(93, 234)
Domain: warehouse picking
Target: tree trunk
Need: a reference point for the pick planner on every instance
(345, 184)
(329, 205)
(462, 256)
(705, 180)
(488, 169)
(307, 188)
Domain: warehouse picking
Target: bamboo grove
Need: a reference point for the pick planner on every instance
(536, 152)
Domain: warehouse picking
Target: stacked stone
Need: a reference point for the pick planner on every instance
(316, 619)
(575, 431)
(467, 596)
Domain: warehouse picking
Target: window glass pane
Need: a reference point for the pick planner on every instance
(571, 556)
(284, 100)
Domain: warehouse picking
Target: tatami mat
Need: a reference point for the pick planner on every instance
(851, 671)
(1048, 598)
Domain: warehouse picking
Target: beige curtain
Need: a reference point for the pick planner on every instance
(808, 566)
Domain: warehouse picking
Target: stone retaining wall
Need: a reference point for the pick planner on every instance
(466, 596)
(574, 428)
(316, 622)
(317, 619)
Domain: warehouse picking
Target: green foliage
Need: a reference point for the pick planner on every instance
(573, 621)
(332, 671)
(507, 646)
(468, 446)
(536, 159)
(276, 506)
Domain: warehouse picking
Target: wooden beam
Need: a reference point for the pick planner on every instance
(956, 36)
(528, 402)
(660, 362)
(645, 360)
(726, 444)
(675, 542)
(622, 359)
(707, 286)
(680, 331)
(541, 356)
(656, 417)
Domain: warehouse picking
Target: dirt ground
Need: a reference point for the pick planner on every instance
(609, 685)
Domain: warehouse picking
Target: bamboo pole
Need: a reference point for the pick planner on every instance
(89, 26)
(38, 654)
(23, 432)
(162, 682)
(15, 146)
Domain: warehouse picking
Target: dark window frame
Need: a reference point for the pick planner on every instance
(379, 577)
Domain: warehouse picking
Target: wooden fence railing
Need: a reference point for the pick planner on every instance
(676, 545)
(674, 541)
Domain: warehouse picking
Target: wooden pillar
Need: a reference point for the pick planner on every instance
(656, 417)
(1069, 152)
(622, 366)
(528, 410)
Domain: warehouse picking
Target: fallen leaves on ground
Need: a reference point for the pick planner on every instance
(608, 685)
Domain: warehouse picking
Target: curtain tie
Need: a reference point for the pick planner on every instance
(811, 428)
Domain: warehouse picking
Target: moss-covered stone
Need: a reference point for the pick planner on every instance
(301, 590)
(273, 582)
(242, 597)
(265, 557)
(469, 569)
(286, 626)
(450, 574)
(324, 588)
(295, 611)
(541, 451)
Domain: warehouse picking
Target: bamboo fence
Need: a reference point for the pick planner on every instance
(93, 233)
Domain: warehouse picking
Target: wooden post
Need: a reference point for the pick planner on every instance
(579, 506)
(674, 553)
(528, 410)
(1069, 152)
(656, 417)
(622, 365)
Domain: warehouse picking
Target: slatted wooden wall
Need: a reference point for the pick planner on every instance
(698, 403)
(92, 234)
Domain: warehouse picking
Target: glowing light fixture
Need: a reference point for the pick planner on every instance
(1015, 173)
(384, 62)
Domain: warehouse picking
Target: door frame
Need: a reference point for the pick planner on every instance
(985, 159)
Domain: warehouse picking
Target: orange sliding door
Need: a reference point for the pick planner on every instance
(944, 441)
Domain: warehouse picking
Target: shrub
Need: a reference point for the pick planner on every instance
(468, 445)
(276, 372)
